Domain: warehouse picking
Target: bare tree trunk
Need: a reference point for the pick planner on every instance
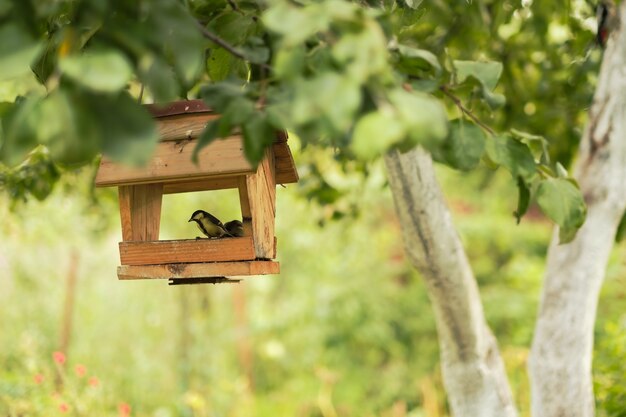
(560, 362)
(473, 371)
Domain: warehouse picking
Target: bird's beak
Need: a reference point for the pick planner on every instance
(189, 220)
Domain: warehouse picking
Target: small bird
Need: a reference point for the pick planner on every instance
(210, 225)
(234, 228)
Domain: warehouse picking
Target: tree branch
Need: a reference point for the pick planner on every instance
(457, 101)
(227, 46)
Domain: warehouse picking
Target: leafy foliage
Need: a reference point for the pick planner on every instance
(361, 78)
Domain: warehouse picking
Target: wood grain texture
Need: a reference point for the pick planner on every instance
(198, 270)
(181, 251)
(202, 184)
(183, 126)
(286, 172)
(140, 211)
(159, 110)
(244, 202)
(261, 192)
(172, 162)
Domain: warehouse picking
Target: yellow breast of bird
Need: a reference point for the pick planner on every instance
(210, 229)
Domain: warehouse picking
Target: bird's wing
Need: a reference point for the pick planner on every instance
(214, 220)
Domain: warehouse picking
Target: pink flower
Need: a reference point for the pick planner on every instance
(124, 410)
(38, 378)
(93, 381)
(59, 357)
(64, 408)
(80, 370)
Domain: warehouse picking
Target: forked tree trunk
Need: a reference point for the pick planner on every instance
(473, 371)
(560, 362)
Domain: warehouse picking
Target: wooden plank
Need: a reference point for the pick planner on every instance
(183, 126)
(140, 211)
(244, 202)
(172, 162)
(286, 172)
(203, 184)
(262, 208)
(180, 251)
(159, 110)
(198, 270)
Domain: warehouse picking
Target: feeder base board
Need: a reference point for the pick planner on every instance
(197, 270)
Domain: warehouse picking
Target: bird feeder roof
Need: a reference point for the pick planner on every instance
(219, 164)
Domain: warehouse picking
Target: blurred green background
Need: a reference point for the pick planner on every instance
(345, 330)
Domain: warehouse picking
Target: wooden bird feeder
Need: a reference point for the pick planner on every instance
(221, 165)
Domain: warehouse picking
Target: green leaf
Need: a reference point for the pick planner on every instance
(219, 95)
(561, 200)
(296, 24)
(375, 132)
(513, 155)
(523, 200)
(129, 134)
(219, 64)
(465, 145)
(413, 4)
(179, 36)
(328, 98)
(561, 171)
(19, 129)
(67, 129)
(289, 62)
(18, 49)
(159, 78)
(363, 54)
(423, 117)
(103, 70)
(234, 28)
(209, 134)
(258, 134)
(487, 73)
(418, 59)
(494, 100)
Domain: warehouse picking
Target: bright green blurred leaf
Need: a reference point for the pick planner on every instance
(374, 133)
(208, 135)
(18, 49)
(68, 130)
(160, 79)
(103, 70)
(289, 62)
(180, 37)
(257, 136)
(19, 127)
(296, 24)
(561, 200)
(329, 96)
(423, 117)
(488, 73)
(129, 134)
